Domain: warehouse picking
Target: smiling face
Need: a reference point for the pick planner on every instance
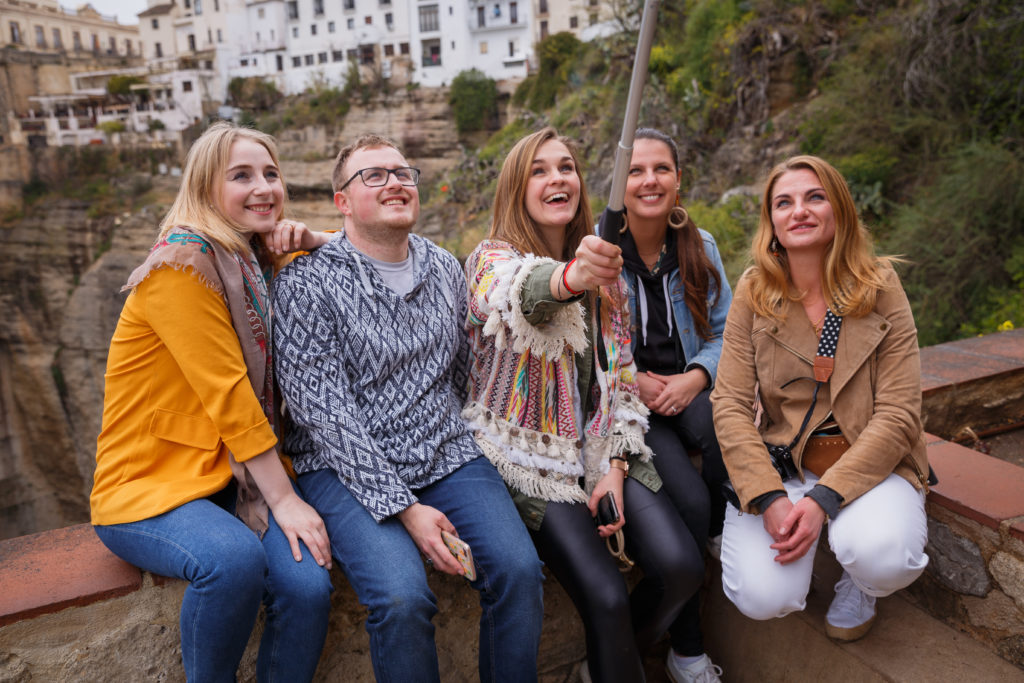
(653, 180)
(251, 192)
(553, 189)
(390, 208)
(801, 213)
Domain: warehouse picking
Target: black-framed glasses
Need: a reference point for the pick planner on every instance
(378, 177)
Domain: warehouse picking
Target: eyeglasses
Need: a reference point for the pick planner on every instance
(378, 177)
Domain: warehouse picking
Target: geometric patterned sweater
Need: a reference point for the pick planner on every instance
(374, 382)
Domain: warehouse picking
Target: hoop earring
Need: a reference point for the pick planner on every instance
(773, 246)
(625, 224)
(678, 217)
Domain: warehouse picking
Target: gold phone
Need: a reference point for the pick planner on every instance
(460, 549)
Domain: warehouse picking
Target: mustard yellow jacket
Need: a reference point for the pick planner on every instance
(874, 394)
(177, 399)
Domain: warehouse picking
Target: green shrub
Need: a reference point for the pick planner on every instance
(109, 127)
(473, 98)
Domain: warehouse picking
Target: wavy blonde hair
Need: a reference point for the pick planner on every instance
(511, 222)
(851, 273)
(197, 205)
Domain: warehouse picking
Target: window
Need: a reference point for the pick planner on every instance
(295, 31)
(318, 7)
(593, 19)
(351, 54)
(158, 51)
(389, 20)
(385, 3)
(112, 46)
(57, 42)
(403, 48)
(280, 62)
(220, 38)
(368, 20)
(337, 55)
(127, 46)
(574, 22)
(15, 32)
(432, 52)
(257, 36)
(198, 4)
(350, 23)
(209, 36)
(95, 43)
(208, 65)
(513, 12)
(349, 4)
(429, 21)
(593, 3)
(192, 42)
(155, 23)
(480, 17)
(542, 7)
(296, 61)
(366, 54)
(308, 60)
(321, 58)
(261, 13)
(497, 10)
(389, 50)
(543, 29)
(511, 48)
(186, 86)
(76, 40)
(243, 62)
(271, 35)
(312, 29)
(40, 37)
(293, 9)
(483, 47)
(216, 5)
(330, 27)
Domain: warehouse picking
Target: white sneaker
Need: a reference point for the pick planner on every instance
(851, 613)
(701, 671)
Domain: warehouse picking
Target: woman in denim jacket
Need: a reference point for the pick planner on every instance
(679, 299)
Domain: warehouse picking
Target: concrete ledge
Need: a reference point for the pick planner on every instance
(53, 570)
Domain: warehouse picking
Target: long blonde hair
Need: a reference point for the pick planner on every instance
(511, 222)
(851, 273)
(197, 204)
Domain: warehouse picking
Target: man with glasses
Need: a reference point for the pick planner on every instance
(372, 358)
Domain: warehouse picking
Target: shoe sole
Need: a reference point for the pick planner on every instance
(848, 635)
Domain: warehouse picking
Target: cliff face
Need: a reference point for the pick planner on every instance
(60, 273)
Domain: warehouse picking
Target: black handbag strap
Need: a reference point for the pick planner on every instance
(824, 362)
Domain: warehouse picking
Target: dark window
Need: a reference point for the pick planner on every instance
(318, 7)
(429, 20)
(366, 54)
(337, 55)
(368, 20)
(186, 86)
(321, 57)
(40, 37)
(513, 12)
(349, 4)
(312, 29)
(480, 16)
(293, 9)
(543, 30)
(432, 52)
(280, 62)
(574, 22)
(158, 51)
(296, 61)
(198, 5)
(330, 27)
(308, 59)
(192, 42)
(155, 23)
(76, 40)
(542, 7)
(389, 50)
(57, 42)
(403, 48)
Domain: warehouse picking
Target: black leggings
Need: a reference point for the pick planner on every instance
(621, 626)
(696, 495)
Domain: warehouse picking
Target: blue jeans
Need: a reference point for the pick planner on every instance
(230, 571)
(385, 568)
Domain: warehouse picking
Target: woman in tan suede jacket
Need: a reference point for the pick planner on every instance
(859, 460)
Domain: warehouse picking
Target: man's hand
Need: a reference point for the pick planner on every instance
(798, 529)
(424, 525)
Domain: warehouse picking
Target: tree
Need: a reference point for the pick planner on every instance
(473, 98)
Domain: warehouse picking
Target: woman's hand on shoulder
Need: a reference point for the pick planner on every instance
(613, 481)
(288, 236)
(597, 263)
(298, 520)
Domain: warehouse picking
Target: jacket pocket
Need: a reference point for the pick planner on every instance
(187, 430)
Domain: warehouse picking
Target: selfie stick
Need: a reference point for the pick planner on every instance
(612, 217)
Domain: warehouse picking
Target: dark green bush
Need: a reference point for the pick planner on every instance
(473, 98)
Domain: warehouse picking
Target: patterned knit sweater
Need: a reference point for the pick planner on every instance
(525, 407)
(374, 382)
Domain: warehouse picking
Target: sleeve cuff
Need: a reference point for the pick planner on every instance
(828, 499)
(762, 502)
(536, 301)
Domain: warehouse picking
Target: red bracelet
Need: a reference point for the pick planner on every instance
(565, 283)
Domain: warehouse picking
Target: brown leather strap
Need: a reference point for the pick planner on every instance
(821, 452)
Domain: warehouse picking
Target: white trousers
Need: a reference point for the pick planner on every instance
(878, 538)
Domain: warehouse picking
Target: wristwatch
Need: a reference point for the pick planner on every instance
(619, 462)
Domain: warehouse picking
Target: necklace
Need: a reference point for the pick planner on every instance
(818, 325)
(653, 263)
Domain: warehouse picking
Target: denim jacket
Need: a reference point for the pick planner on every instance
(699, 352)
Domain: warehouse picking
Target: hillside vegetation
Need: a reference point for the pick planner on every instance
(919, 104)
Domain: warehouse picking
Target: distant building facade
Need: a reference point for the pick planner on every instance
(45, 26)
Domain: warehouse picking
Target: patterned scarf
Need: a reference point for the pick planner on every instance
(243, 284)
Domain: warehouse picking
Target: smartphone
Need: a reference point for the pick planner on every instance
(460, 549)
(607, 510)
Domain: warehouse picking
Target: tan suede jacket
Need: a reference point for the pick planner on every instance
(874, 395)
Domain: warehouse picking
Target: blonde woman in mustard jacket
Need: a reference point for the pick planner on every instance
(188, 481)
(811, 255)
